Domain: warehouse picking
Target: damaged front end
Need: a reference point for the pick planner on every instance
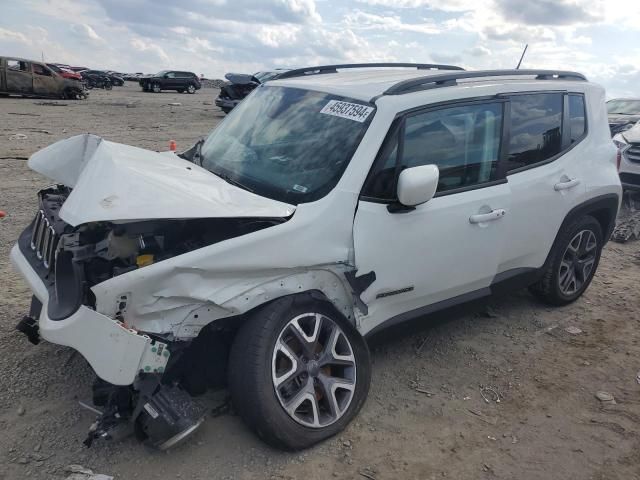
(144, 382)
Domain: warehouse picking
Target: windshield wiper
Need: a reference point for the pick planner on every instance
(231, 181)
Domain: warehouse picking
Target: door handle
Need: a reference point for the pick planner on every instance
(566, 184)
(488, 217)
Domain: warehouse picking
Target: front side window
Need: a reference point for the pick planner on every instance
(536, 129)
(464, 142)
(287, 144)
(40, 70)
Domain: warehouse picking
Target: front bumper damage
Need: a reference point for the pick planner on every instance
(129, 366)
(117, 354)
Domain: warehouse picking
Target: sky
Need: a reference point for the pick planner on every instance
(600, 38)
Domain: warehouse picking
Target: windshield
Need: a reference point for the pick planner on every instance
(161, 73)
(624, 107)
(287, 144)
(264, 76)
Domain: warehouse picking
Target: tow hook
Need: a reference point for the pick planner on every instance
(29, 326)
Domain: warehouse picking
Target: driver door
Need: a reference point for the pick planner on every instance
(448, 249)
(45, 83)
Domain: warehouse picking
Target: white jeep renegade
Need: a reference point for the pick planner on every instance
(329, 204)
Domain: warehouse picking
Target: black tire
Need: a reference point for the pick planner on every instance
(180, 90)
(156, 88)
(548, 288)
(108, 86)
(250, 373)
(191, 89)
(226, 110)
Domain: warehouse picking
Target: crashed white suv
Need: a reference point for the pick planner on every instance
(328, 205)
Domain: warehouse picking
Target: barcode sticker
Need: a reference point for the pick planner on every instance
(352, 111)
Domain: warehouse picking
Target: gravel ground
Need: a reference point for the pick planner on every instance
(548, 423)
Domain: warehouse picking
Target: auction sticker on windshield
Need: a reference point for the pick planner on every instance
(352, 111)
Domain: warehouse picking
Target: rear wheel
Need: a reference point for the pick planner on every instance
(299, 372)
(191, 89)
(180, 90)
(574, 260)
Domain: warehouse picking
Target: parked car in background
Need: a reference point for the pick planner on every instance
(177, 80)
(19, 76)
(240, 85)
(628, 143)
(623, 113)
(65, 72)
(114, 79)
(133, 77)
(96, 79)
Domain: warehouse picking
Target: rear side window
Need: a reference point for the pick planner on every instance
(577, 117)
(536, 129)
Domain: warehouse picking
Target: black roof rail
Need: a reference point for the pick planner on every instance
(301, 72)
(450, 79)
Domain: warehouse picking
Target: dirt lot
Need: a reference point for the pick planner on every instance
(547, 425)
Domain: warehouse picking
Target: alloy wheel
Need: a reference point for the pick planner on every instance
(313, 370)
(577, 262)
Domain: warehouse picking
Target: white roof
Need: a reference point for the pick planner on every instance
(364, 84)
(361, 84)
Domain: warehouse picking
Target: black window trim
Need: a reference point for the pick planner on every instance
(502, 174)
(398, 125)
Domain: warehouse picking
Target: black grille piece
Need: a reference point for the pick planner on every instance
(44, 240)
(633, 153)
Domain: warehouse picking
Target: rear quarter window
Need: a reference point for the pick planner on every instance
(577, 117)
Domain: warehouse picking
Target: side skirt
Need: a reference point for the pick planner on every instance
(503, 283)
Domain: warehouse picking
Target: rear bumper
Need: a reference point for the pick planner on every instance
(117, 354)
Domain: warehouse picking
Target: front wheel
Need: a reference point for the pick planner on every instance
(156, 88)
(299, 372)
(573, 263)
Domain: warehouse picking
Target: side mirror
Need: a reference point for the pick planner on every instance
(417, 185)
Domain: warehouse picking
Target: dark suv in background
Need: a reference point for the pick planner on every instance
(171, 80)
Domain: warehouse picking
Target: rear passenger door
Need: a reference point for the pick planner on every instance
(19, 77)
(447, 249)
(543, 171)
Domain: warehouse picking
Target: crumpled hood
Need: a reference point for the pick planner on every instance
(116, 182)
(632, 135)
